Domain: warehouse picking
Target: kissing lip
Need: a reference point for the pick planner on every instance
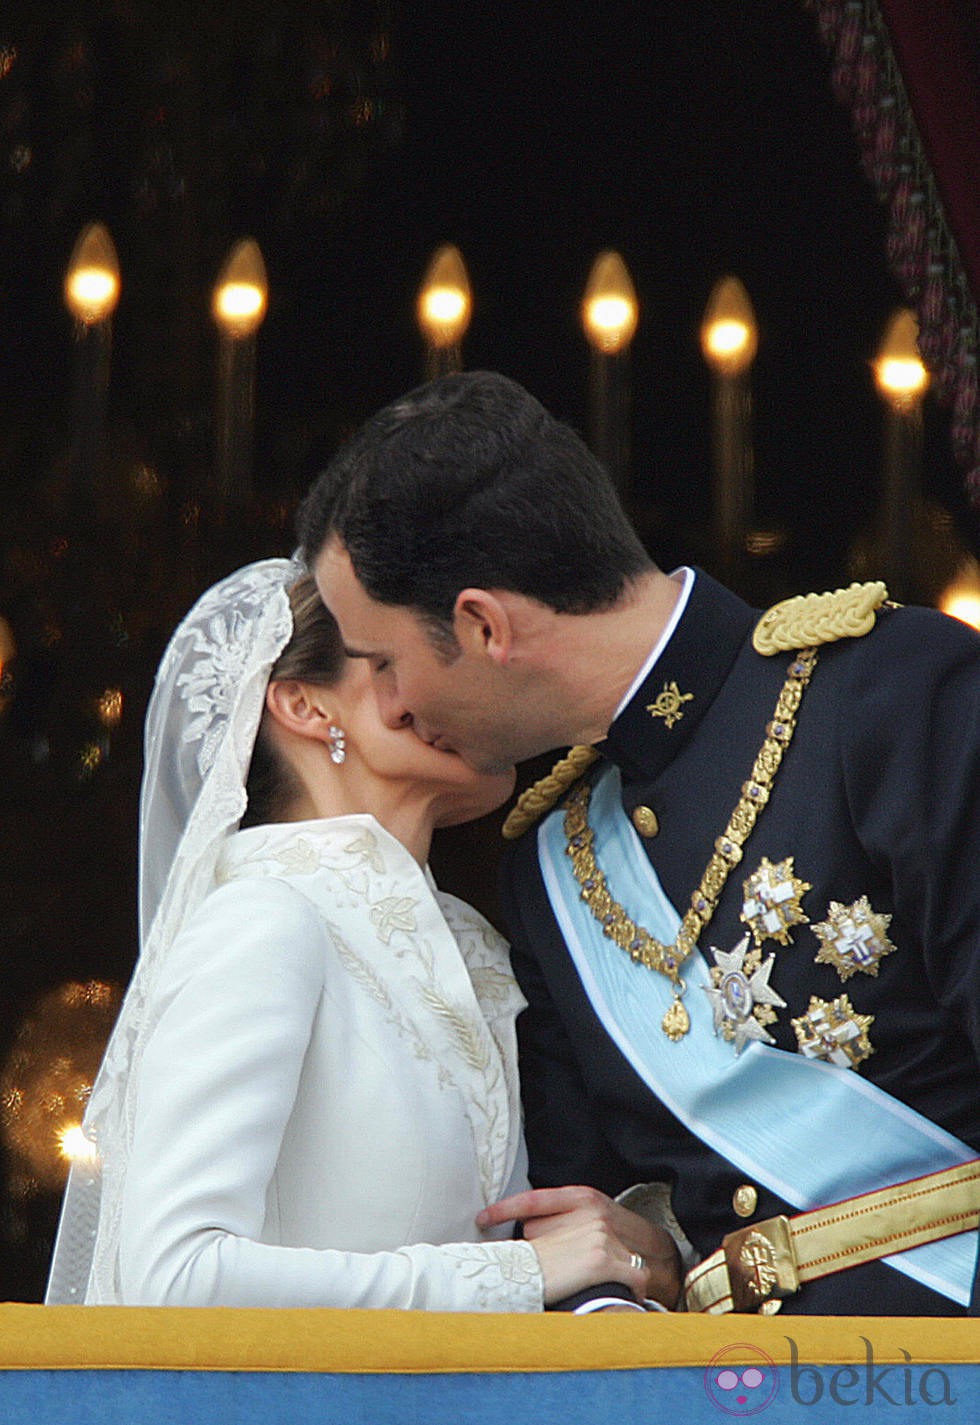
(440, 744)
(429, 741)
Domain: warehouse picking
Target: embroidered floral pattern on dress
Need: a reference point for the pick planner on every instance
(495, 1268)
(371, 872)
(300, 859)
(391, 914)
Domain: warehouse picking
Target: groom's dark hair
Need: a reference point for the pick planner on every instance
(468, 480)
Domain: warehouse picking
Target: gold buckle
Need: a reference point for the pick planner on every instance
(761, 1263)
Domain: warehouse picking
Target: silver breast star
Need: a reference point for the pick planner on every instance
(741, 998)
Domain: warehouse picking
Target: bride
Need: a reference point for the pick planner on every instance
(311, 1090)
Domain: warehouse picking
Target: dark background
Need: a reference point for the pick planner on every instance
(351, 139)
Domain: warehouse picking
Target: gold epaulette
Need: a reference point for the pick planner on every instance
(808, 620)
(540, 798)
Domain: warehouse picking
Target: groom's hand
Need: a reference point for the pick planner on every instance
(547, 1210)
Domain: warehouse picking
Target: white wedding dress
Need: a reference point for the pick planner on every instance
(311, 1087)
(328, 1094)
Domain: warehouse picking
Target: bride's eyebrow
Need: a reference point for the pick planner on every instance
(359, 653)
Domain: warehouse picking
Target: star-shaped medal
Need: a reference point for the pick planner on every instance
(834, 1032)
(853, 938)
(741, 998)
(772, 901)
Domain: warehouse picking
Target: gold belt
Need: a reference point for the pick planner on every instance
(756, 1266)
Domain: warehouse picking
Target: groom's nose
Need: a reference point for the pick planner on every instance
(394, 713)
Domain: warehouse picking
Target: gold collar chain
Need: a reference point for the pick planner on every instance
(638, 943)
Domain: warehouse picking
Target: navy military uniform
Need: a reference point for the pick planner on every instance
(877, 797)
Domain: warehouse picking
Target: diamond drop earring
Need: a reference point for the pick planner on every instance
(338, 744)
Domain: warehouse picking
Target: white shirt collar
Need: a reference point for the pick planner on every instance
(687, 575)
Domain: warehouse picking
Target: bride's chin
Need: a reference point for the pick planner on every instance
(483, 795)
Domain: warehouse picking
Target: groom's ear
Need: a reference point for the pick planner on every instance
(298, 707)
(482, 624)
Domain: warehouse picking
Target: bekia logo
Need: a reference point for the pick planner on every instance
(741, 1380)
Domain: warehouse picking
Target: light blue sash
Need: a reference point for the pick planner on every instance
(809, 1131)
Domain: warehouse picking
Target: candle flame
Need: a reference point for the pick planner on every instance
(609, 307)
(93, 288)
(900, 374)
(92, 281)
(241, 293)
(441, 305)
(608, 315)
(236, 300)
(726, 338)
(444, 301)
(729, 335)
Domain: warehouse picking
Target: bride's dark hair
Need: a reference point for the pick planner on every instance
(314, 654)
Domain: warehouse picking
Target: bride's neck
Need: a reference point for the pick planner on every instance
(409, 819)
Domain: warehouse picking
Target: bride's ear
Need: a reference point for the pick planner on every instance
(298, 707)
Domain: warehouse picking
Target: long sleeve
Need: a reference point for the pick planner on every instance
(911, 762)
(218, 1081)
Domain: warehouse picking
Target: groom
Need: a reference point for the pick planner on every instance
(748, 929)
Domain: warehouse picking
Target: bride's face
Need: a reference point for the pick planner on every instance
(401, 763)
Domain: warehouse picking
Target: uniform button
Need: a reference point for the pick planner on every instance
(745, 1199)
(645, 821)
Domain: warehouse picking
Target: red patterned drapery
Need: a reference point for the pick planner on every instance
(909, 70)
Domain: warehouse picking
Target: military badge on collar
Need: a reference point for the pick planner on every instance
(741, 999)
(853, 938)
(834, 1032)
(772, 901)
(668, 704)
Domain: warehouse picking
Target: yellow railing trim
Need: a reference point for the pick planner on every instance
(154, 1338)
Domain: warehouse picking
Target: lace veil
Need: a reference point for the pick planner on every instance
(201, 724)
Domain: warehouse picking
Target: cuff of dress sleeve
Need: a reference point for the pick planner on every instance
(652, 1201)
(610, 1293)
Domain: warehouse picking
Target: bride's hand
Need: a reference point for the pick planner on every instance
(583, 1238)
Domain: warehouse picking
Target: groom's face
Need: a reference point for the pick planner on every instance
(457, 702)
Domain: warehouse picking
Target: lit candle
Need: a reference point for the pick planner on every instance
(443, 310)
(238, 306)
(729, 341)
(902, 380)
(610, 313)
(91, 292)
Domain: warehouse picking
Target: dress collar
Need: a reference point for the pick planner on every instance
(681, 684)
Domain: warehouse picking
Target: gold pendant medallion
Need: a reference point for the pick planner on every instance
(676, 1022)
